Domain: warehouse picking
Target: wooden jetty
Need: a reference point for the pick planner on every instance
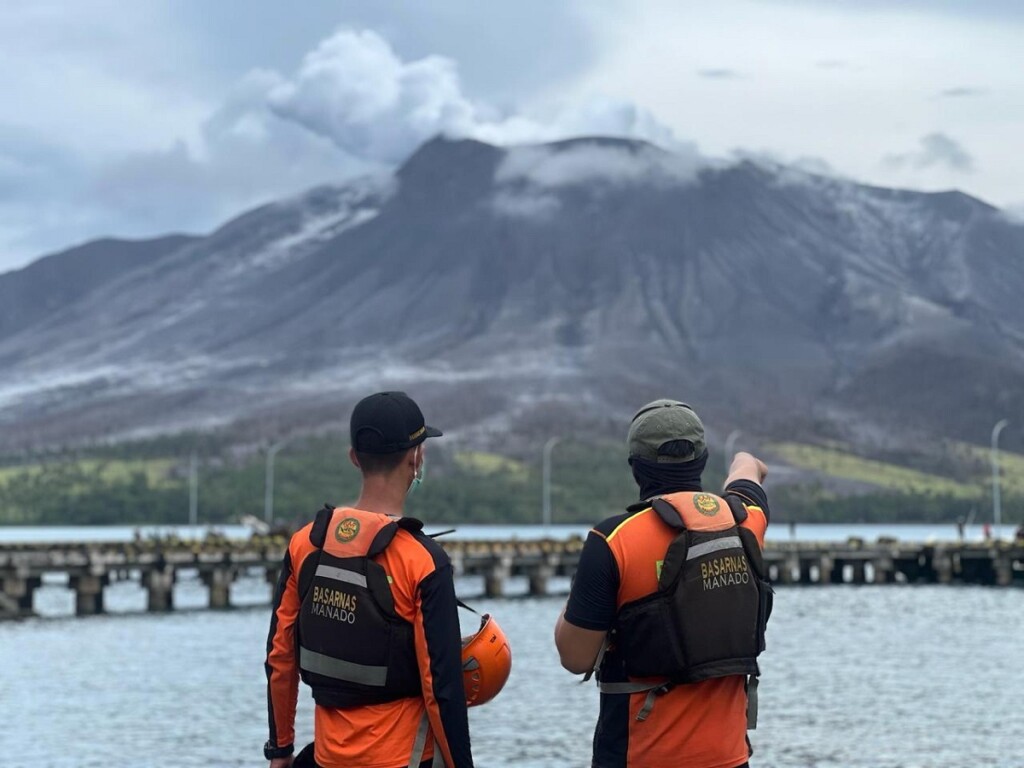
(157, 564)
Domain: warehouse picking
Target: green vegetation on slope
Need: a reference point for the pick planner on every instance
(148, 482)
(834, 462)
(894, 492)
(589, 482)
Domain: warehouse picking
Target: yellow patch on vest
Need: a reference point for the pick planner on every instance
(347, 530)
(706, 504)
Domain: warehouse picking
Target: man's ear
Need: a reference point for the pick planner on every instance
(353, 458)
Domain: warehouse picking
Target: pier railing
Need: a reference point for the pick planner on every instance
(218, 562)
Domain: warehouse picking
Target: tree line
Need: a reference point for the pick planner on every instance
(589, 481)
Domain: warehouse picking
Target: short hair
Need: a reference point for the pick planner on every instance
(380, 463)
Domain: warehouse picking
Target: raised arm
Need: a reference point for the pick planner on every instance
(746, 466)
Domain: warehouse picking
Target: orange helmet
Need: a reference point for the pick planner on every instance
(486, 662)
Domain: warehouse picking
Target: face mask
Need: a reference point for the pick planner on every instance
(417, 479)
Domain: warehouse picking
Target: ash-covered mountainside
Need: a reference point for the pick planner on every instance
(494, 282)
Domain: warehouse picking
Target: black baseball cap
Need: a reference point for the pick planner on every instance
(388, 422)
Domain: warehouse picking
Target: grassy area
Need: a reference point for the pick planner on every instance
(489, 463)
(833, 462)
(1011, 464)
(158, 472)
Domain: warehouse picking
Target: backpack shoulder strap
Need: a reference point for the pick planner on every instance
(675, 558)
(739, 512)
(387, 534)
(668, 514)
(318, 533)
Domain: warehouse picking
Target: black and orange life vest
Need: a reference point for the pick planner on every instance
(354, 649)
(708, 616)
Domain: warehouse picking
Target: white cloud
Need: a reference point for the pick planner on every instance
(548, 167)
(835, 80)
(961, 91)
(936, 150)
(121, 119)
(1014, 213)
(243, 156)
(525, 204)
(718, 73)
(352, 106)
(354, 90)
(528, 175)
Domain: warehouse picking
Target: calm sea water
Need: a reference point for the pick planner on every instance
(803, 532)
(854, 677)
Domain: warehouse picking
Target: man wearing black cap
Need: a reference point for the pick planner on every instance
(365, 613)
(669, 604)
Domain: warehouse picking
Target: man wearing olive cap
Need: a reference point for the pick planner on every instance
(365, 613)
(669, 604)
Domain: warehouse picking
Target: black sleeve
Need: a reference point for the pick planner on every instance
(750, 493)
(593, 598)
(443, 636)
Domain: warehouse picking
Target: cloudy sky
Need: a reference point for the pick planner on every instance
(136, 119)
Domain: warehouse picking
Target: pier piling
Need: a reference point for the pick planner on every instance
(16, 598)
(88, 589)
(160, 587)
(219, 581)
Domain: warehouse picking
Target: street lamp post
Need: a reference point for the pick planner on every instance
(193, 490)
(997, 512)
(268, 487)
(546, 480)
(730, 442)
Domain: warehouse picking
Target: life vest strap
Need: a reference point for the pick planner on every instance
(752, 702)
(599, 660)
(653, 690)
(419, 745)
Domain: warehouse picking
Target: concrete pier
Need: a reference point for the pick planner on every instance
(158, 565)
(219, 582)
(159, 586)
(16, 596)
(88, 591)
(496, 576)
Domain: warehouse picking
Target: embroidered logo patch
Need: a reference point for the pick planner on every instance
(347, 530)
(706, 504)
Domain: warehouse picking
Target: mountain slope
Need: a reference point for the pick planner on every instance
(49, 284)
(594, 272)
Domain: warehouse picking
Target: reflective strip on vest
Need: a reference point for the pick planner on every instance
(341, 574)
(319, 664)
(715, 545)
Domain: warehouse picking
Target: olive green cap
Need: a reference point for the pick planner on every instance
(658, 428)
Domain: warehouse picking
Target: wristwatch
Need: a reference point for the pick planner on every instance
(271, 752)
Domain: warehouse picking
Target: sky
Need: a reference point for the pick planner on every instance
(138, 119)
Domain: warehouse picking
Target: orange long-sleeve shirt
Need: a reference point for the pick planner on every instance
(379, 735)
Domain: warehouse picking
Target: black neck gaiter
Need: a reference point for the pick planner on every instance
(660, 478)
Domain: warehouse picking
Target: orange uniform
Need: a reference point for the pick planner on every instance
(377, 735)
(695, 725)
